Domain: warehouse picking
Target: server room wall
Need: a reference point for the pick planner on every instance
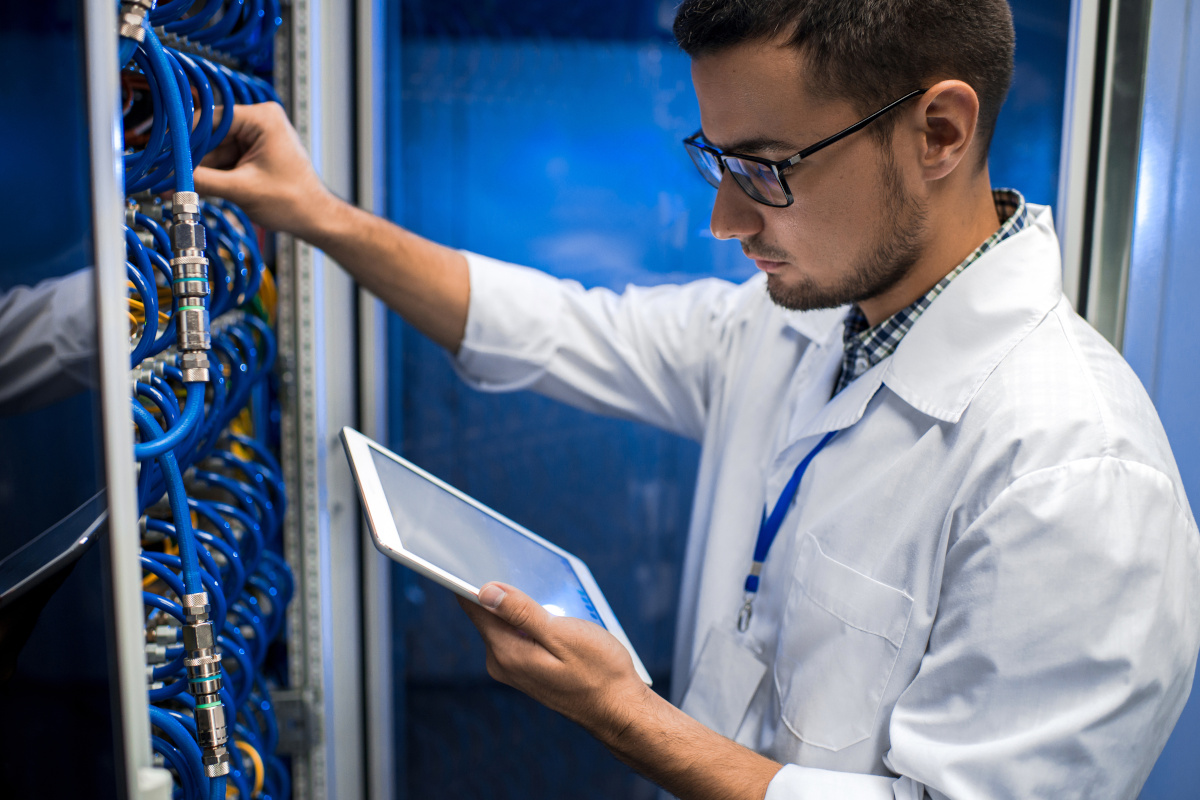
(547, 133)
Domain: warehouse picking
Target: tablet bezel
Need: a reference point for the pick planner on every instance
(386, 536)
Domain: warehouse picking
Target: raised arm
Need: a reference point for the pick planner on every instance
(263, 167)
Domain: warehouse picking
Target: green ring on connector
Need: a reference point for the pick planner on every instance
(187, 308)
(190, 280)
(208, 705)
(202, 680)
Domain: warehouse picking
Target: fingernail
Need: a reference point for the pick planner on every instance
(490, 596)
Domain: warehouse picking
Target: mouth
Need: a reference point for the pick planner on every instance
(768, 266)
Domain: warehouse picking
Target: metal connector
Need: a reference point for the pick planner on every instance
(162, 634)
(203, 665)
(190, 285)
(195, 608)
(133, 19)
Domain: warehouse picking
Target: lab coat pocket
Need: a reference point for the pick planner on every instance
(842, 632)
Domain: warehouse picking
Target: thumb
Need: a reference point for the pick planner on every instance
(225, 183)
(516, 608)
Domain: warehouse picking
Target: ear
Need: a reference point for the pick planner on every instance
(949, 113)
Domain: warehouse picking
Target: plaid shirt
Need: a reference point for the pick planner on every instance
(866, 346)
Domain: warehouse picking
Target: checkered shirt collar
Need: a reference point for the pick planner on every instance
(865, 346)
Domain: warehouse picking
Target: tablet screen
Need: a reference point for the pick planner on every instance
(448, 532)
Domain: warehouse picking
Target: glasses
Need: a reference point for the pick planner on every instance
(760, 177)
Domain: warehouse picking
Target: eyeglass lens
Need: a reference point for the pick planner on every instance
(758, 180)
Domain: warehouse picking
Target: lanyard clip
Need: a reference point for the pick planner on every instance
(743, 621)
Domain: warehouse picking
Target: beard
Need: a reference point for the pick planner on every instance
(891, 257)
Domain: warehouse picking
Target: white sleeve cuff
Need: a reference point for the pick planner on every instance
(511, 325)
(794, 782)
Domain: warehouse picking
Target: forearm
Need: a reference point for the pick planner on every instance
(426, 283)
(689, 760)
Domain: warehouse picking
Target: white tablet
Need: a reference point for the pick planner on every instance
(431, 527)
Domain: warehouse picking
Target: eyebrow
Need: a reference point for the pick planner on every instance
(754, 146)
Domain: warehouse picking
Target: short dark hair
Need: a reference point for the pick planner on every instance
(871, 52)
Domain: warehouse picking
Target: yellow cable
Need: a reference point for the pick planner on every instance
(249, 750)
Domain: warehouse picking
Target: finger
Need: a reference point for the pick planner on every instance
(517, 609)
(224, 155)
(230, 184)
(512, 657)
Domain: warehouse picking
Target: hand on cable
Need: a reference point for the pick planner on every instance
(262, 166)
(571, 666)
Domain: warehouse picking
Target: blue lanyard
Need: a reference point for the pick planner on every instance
(769, 529)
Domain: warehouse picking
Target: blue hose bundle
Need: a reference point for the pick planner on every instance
(204, 450)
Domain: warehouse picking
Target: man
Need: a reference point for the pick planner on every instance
(982, 585)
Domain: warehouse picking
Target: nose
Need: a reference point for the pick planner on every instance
(734, 214)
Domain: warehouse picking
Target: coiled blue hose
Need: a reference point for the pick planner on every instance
(193, 409)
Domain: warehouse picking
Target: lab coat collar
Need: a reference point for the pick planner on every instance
(817, 326)
(967, 331)
(959, 340)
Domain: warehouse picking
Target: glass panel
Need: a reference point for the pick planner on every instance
(54, 661)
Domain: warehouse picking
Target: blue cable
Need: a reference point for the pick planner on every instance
(233, 644)
(155, 445)
(259, 450)
(221, 28)
(176, 120)
(211, 583)
(163, 604)
(236, 579)
(187, 777)
(178, 500)
(183, 740)
(149, 297)
(220, 85)
(195, 22)
(252, 534)
(161, 240)
(169, 409)
(169, 11)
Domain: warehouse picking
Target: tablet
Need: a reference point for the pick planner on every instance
(436, 530)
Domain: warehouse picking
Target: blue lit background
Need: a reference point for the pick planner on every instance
(547, 133)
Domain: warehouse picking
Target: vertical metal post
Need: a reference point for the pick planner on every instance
(373, 388)
(318, 340)
(107, 179)
(1075, 163)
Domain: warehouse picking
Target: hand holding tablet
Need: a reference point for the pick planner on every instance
(436, 530)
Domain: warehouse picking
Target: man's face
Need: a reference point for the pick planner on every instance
(855, 227)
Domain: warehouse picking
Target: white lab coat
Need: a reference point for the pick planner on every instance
(987, 586)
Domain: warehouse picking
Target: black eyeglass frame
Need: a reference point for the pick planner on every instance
(695, 141)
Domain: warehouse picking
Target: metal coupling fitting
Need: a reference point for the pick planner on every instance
(195, 608)
(198, 637)
(194, 366)
(162, 634)
(133, 18)
(185, 205)
(216, 762)
(156, 654)
(211, 732)
(131, 25)
(187, 234)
